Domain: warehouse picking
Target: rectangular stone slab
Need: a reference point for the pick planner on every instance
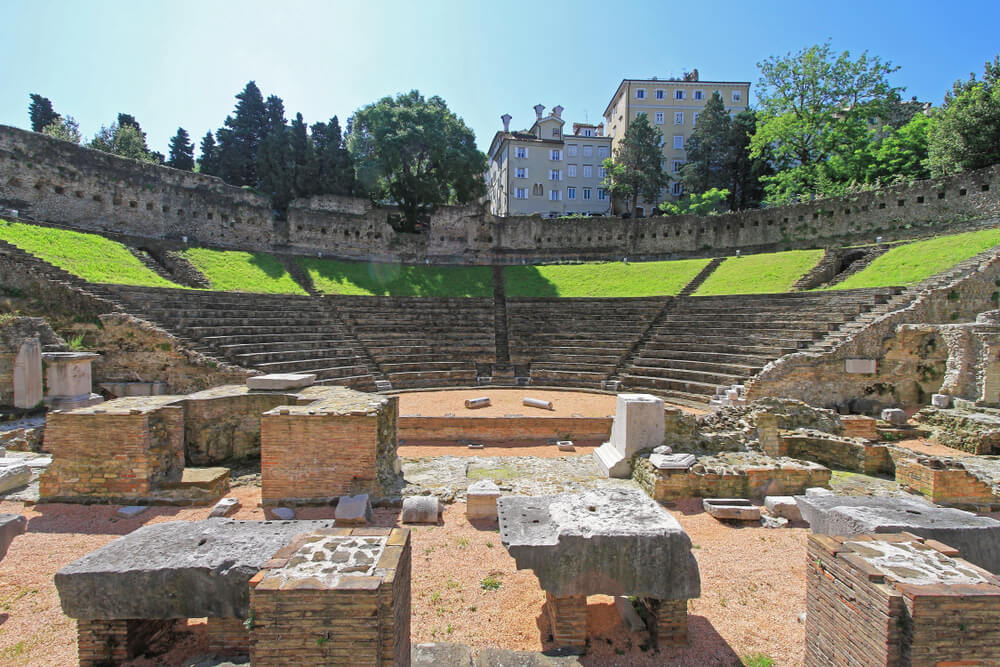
(281, 381)
(11, 525)
(181, 569)
(611, 542)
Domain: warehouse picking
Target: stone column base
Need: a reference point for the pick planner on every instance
(669, 621)
(102, 642)
(568, 616)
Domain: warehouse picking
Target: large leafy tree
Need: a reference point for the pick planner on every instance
(816, 104)
(416, 154)
(181, 151)
(240, 138)
(66, 129)
(334, 168)
(41, 112)
(966, 134)
(635, 174)
(124, 140)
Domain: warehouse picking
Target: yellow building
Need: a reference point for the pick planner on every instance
(672, 106)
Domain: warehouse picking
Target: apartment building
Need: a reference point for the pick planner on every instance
(672, 106)
(544, 171)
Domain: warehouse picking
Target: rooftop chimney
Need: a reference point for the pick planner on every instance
(539, 108)
(506, 122)
(557, 111)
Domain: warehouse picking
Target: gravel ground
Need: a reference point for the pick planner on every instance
(506, 402)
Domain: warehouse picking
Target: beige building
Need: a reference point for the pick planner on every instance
(543, 170)
(672, 106)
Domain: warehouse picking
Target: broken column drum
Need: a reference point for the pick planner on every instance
(610, 542)
(537, 403)
(481, 402)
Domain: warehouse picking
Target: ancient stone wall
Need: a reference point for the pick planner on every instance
(58, 182)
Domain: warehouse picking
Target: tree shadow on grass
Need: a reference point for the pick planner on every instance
(394, 279)
(527, 281)
(269, 265)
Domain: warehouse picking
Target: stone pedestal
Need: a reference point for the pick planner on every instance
(639, 424)
(67, 375)
(481, 500)
(28, 375)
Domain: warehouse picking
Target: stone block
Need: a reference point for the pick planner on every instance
(894, 416)
(610, 542)
(941, 401)
(224, 507)
(630, 617)
(421, 509)
(818, 492)
(354, 510)
(28, 375)
(68, 379)
(13, 474)
(639, 424)
(672, 461)
(731, 509)
(11, 525)
(279, 381)
(481, 500)
(783, 506)
(862, 366)
(565, 446)
(131, 511)
(977, 537)
(179, 569)
(438, 654)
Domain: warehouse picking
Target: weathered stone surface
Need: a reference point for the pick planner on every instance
(731, 509)
(180, 569)
(440, 654)
(773, 521)
(976, 537)
(28, 374)
(612, 542)
(68, 379)
(481, 500)
(353, 510)
(283, 513)
(941, 400)
(865, 366)
(672, 461)
(818, 492)
(502, 657)
(639, 424)
(224, 507)
(13, 474)
(421, 509)
(281, 381)
(894, 416)
(783, 506)
(11, 525)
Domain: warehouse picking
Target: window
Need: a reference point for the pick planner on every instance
(556, 154)
(555, 195)
(602, 172)
(570, 193)
(676, 188)
(678, 94)
(658, 118)
(602, 194)
(640, 94)
(521, 172)
(678, 118)
(586, 193)
(571, 150)
(677, 165)
(587, 132)
(679, 141)
(737, 96)
(588, 151)
(555, 175)
(699, 94)
(603, 152)
(555, 131)
(520, 151)
(536, 190)
(588, 171)
(571, 171)
(520, 193)
(659, 94)
(694, 118)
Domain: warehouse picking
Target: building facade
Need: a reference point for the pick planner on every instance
(672, 106)
(544, 171)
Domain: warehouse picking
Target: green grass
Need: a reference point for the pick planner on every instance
(913, 262)
(602, 279)
(94, 258)
(237, 271)
(391, 279)
(769, 273)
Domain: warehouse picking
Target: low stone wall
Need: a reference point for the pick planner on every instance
(976, 432)
(223, 424)
(944, 482)
(511, 430)
(833, 451)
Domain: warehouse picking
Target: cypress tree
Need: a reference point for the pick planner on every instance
(241, 137)
(208, 163)
(181, 151)
(41, 112)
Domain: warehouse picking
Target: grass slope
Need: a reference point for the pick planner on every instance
(769, 273)
(390, 279)
(94, 258)
(605, 279)
(238, 271)
(913, 262)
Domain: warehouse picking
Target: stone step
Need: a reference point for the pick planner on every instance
(308, 365)
(687, 375)
(757, 330)
(288, 346)
(542, 365)
(742, 370)
(720, 358)
(286, 330)
(706, 389)
(733, 347)
(418, 366)
(287, 356)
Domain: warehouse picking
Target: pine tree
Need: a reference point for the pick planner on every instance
(335, 167)
(304, 158)
(241, 137)
(181, 151)
(709, 151)
(635, 173)
(275, 162)
(208, 163)
(41, 112)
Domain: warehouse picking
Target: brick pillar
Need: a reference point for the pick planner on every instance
(227, 636)
(669, 621)
(568, 616)
(767, 434)
(102, 642)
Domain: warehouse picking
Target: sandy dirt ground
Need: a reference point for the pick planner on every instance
(545, 451)
(506, 402)
(753, 588)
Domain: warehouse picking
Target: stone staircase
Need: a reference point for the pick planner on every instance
(696, 282)
(54, 274)
(150, 263)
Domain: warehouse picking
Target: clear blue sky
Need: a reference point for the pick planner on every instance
(179, 63)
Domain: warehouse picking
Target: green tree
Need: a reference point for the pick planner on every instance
(966, 131)
(334, 168)
(902, 155)
(816, 104)
(181, 151)
(275, 164)
(41, 113)
(208, 162)
(240, 138)
(126, 141)
(746, 172)
(417, 154)
(634, 174)
(66, 129)
(709, 149)
(710, 202)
